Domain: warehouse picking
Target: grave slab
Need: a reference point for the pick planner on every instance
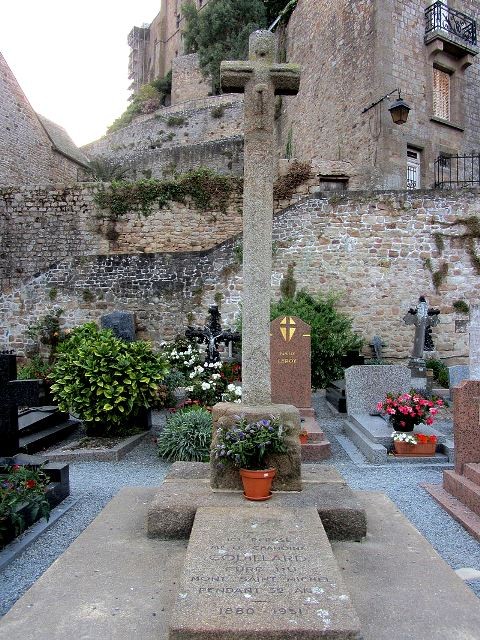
(119, 594)
(261, 573)
(172, 512)
(122, 323)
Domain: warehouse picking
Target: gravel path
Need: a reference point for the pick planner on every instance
(95, 483)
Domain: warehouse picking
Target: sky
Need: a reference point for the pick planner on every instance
(71, 58)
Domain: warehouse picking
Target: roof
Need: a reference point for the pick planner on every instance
(62, 142)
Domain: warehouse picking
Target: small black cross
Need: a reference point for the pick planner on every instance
(13, 393)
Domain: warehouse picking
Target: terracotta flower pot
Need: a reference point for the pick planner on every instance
(419, 449)
(303, 438)
(257, 484)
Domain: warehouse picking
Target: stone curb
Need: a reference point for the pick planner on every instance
(114, 454)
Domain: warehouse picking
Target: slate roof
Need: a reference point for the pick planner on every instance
(62, 142)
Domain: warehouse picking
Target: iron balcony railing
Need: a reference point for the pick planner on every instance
(438, 16)
(456, 171)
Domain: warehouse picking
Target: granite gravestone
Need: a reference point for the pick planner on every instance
(291, 362)
(122, 323)
(13, 393)
(457, 374)
(261, 573)
(474, 342)
(368, 385)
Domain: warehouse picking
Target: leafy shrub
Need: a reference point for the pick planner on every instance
(105, 381)
(218, 111)
(331, 331)
(187, 436)
(36, 368)
(176, 121)
(440, 371)
(461, 306)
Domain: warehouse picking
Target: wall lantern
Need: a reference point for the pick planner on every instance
(398, 109)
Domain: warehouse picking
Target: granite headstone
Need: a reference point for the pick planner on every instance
(367, 385)
(122, 323)
(457, 374)
(290, 360)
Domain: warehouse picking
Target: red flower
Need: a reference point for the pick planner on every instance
(15, 467)
(31, 484)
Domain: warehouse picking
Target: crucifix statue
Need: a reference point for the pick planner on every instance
(423, 318)
(13, 393)
(261, 79)
(212, 334)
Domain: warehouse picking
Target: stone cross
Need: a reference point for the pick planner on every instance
(474, 331)
(261, 79)
(422, 317)
(212, 334)
(13, 393)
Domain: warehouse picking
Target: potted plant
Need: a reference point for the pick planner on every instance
(303, 436)
(247, 446)
(414, 444)
(406, 410)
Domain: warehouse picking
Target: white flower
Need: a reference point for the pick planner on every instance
(205, 385)
(231, 387)
(189, 388)
(192, 375)
(215, 376)
(238, 391)
(238, 401)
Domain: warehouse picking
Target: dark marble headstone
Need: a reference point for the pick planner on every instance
(122, 323)
(13, 394)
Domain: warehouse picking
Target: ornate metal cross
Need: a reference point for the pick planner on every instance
(261, 79)
(212, 334)
(13, 393)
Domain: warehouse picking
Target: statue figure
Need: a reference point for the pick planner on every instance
(212, 334)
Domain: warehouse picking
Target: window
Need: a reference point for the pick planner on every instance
(441, 94)
(413, 168)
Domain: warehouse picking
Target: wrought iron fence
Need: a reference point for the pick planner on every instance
(439, 16)
(453, 172)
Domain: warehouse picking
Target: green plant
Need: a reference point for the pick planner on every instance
(247, 444)
(46, 331)
(440, 371)
(220, 31)
(218, 111)
(103, 170)
(461, 306)
(238, 252)
(52, 294)
(105, 381)
(331, 332)
(285, 186)
(288, 285)
(176, 121)
(87, 295)
(218, 298)
(207, 190)
(187, 436)
(20, 487)
(289, 145)
(35, 368)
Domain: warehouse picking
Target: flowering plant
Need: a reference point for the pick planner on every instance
(247, 444)
(21, 487)
(414, 438)
(405, 410)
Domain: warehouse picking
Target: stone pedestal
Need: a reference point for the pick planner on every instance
(288, 476)
(466, 421)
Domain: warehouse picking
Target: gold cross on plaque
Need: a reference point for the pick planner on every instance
(287, 328)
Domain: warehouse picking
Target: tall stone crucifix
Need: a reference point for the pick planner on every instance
(261, 79)
(423, 318)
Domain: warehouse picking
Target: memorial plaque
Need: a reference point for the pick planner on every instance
(122, 323)
(290, 361)
(255, 573)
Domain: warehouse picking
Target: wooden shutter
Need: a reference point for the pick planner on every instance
(441, 94)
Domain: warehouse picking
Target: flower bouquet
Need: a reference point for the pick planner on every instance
(405, 410)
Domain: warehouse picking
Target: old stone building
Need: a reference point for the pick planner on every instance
(354, 52)
(156, 46)
(33, 149)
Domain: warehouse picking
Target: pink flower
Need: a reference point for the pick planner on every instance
(428, 420)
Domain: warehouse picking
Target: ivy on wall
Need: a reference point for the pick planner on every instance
(470, 236)
(206, 189)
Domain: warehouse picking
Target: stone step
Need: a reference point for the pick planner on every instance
(374, 452)
(42, 439)
(462, 514)
(261, 573)
(39, 418)
(471, 471)
(316, 451)
(463, 489)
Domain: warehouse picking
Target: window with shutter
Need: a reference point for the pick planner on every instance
(441, 94)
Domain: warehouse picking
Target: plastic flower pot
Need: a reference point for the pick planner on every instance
(419, 449)
(257, 484)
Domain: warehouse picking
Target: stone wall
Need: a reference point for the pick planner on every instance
(26, 153)
(188, 83)
(372, 249)
(352, 53)
(171, 135)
